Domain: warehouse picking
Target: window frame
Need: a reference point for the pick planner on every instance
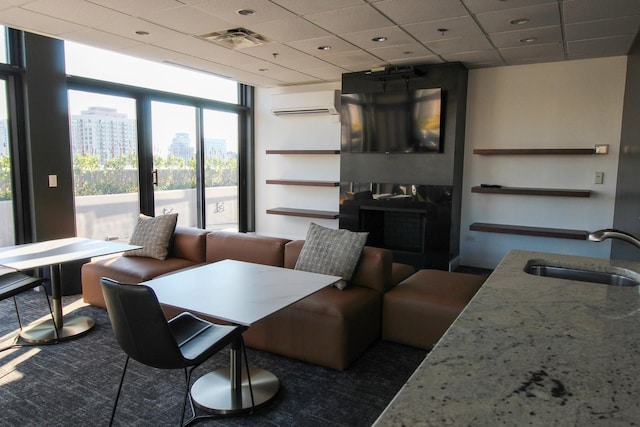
(144, 97)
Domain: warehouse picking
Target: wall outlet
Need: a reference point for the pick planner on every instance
(598, 177)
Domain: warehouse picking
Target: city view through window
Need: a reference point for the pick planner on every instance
(104, 145)
(105, 148)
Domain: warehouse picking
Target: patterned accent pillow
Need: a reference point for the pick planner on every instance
(154, 235)
(331, 251)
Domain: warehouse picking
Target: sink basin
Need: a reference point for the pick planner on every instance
(619, 277)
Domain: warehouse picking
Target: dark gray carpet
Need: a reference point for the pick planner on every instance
(73, 383)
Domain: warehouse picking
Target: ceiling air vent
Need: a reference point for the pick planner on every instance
(236, 38)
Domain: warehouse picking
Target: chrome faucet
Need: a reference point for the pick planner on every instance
(610, 233)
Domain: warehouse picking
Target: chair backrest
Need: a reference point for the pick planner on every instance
(140, 326)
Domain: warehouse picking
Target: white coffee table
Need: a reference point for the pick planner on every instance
(52, 254)
(240, 293)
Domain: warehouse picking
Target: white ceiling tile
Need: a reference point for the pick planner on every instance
(187, 20)
(609, 46)
(482, 58)
(36, 22)
(351, 19)
(89, 14)
(100, 39)
(603, 28)
(328, 73)
(289, 29)
(544, 35)
(591, 10)
(525, 54)
(137, 7)
(401, 53)
(592, 28)
(227, 11)
(128, 26)
(479, 6)
(203, 49)
(463, 26)
(412, 11)
(462, 44)
(363, 39)
(539, 16)
(310, 46)
(285, 56)
(346, 59)
(305, 7)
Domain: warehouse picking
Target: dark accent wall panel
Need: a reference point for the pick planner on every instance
(627, 205)
(426, 169)
(49, 149)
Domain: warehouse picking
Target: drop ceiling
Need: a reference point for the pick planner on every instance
(478, 33)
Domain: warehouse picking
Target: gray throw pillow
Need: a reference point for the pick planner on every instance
(331, 251)
(154, 235)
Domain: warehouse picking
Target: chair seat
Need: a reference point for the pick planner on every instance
(197, 338)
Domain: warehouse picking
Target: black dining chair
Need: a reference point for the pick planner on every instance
(14, 283)
(146, 336)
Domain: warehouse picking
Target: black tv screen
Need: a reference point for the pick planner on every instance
(392, 122)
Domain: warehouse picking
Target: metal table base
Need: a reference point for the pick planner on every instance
(226, 390)
(45, 332)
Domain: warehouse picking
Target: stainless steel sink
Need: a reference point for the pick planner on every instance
(619, 277)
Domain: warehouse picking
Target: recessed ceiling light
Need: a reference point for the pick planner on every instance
(246, 12)
(379, 39)
(142, 33)
(324, 47)
(519, 21)
(528, 40)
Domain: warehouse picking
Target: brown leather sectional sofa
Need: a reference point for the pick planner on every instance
(331, 328)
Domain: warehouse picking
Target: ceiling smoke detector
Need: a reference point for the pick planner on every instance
(236, 38)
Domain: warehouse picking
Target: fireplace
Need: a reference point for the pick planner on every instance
(413, 221)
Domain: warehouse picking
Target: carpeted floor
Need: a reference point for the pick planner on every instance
(73, 383)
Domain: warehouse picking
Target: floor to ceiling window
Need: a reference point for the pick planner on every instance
(220, 169)
(105, 164)
(7, 225)
(7, 236)
(187, 156)
(174, 161)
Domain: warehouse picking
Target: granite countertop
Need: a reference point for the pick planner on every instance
(532, 350)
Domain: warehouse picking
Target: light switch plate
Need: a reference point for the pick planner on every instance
(598, 177)
(53, 181)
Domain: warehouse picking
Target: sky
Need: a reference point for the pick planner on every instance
(167, 119)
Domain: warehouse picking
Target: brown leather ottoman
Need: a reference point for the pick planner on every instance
(421, 308)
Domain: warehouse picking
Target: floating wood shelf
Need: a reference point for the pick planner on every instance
(560, 233)
(560, 192)
(305, 182)
(521, 151)
(303, 151)
(306, 213)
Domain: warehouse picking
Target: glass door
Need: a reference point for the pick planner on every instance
(105, 164)
(220, 149)
(7, 233)
(174, 161)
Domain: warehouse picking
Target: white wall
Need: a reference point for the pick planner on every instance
(309, 132)
(571, 104)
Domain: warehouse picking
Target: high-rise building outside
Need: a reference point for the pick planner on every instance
(103, 132)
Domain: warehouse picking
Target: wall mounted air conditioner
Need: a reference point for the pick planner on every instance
(326, 102)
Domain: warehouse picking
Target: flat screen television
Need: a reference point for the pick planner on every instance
(392, 122)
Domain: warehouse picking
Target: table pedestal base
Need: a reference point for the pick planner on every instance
(213, 391)
(44, 332)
